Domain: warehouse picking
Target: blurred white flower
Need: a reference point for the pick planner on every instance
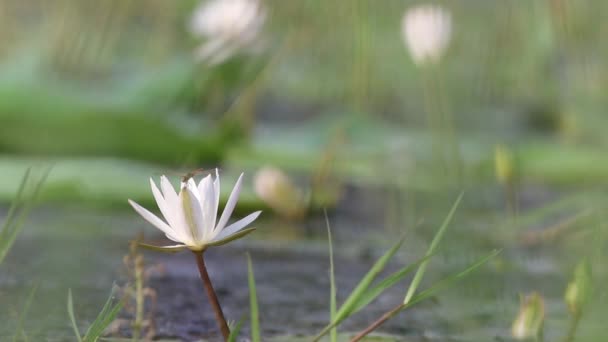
(227, 26)
(426, 30)
(191, 215)
(277, 190)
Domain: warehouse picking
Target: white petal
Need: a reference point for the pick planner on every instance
(202, 185)
(192, 186)
(155, 221)
(168, 192)
(165, 209)
(196, 222)
(173, 205)
(238, 225)
(216, 199)
(234, 197)
(198, 213)
(207, 192)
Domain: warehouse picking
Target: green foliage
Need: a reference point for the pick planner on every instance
(19, 333)
(235, 331)
(22, 204)
(333, 333)
(438, 236)
(360, 291)
(105, 317)
(253, 303)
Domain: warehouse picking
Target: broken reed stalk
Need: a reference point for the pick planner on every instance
(388, 315)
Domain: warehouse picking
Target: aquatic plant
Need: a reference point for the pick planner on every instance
(24, 200)
(426, 30)
(191, 221)
(228, 26)
(531, 317)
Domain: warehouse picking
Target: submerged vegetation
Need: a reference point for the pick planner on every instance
(349, 127)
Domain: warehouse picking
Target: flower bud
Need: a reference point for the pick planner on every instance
(503, 164)
(579, 289)
(529, 320)
(228, 27)
(277, 190)
(426, 30)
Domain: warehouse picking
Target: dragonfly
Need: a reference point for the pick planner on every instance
(194, 173)
(184, 177)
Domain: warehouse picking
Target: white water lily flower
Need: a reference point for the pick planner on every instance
(190, 216)
(426, 30)
(227, 26)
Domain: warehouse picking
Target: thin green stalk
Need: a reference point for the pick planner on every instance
(333, 333)
(423, 295)
(253, 303)
(438, 236)
(28, 303)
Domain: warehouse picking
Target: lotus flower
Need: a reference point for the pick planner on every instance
(227, 26)
(426, 30)
(190, 216)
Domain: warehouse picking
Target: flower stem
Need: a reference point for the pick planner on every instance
(219, 315)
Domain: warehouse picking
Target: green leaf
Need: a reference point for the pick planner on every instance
(350, 303)
(164, 249)
(72, 317)
(26, 308)
(232, 237)
(27, 193)
(253, 303)
(387, 283)
(446, 282)
(234, 333)
(332, 283)
(438, 236)
(104, 319)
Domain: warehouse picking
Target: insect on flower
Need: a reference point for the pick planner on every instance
(191, 214)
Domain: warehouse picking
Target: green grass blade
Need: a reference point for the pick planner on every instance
(253, 303)
(104, 319)
(333, 333)
(387, 283)
(347, 308)
(72, 317)
(450, 280)
(24, 201)
(28, 303)
(234, 333)
(438, 236)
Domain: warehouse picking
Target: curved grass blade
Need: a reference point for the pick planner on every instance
(387, 283)
(104, 319)
(253, 303)
(23, 203)
(422, 296)
(234, 332)
(438, 236)
(333, 333)
(28, 303)
(446, 282)
(347, 308)
(72, 317)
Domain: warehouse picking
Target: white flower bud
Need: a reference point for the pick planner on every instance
(228, 26)
(426, 30)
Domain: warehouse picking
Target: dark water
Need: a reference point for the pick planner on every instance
(63, 248)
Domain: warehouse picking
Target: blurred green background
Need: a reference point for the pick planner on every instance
(111, 93)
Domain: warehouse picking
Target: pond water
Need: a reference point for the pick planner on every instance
(70, 247)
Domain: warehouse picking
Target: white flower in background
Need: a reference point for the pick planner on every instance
(191, 215)
(278, 191)
(427, 30)
(228, 26)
